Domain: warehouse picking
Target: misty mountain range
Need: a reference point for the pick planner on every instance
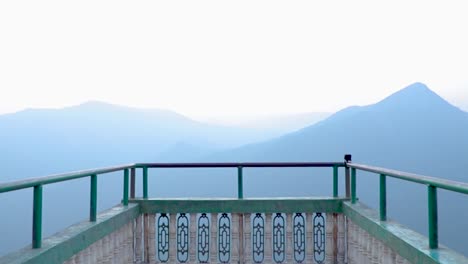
(415, 121)
(412, 130)
(117, 134)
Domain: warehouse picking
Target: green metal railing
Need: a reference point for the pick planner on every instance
(240, 167)
(129, 186)
(432, 184)
(129, 183)
(38, 183)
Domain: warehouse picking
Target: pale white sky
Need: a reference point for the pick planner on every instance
(212, 58)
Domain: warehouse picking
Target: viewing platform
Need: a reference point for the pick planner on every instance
(335, 229)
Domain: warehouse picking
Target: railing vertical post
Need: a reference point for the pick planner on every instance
(125, 188)
(37, 217)
(433, 222)
(240, 183)
(353, 185)
(145, 182)
(93, 199)
(335, 181)
(347, 158)
(383, 197)
(132, 183)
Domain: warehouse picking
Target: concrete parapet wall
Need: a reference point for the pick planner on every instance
(365, 249)
(315, 231)
(109, 237)
(371, 240)
(116, 248)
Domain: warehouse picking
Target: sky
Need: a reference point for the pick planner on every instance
(229, 58)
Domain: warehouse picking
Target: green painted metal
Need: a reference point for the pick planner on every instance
(218, 205)
(335, 181)
(37, 217)
(145, 182)
(408, 243)
(28, 183)
(455, 186)
(432, 216)
(93, 199)
(353, 185)
(240, 183)
(383, 198)
(125, 188)
(242, 164)
(63, 245)
(241, 205)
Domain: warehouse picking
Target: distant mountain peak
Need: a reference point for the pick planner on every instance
(416, 89)
(416, 95)
(417, 86)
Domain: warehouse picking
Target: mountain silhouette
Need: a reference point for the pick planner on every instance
(37, 142)
(100, 134)
(414, 120)
(412, 130)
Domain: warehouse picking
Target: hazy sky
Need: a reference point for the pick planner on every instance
(211, 58)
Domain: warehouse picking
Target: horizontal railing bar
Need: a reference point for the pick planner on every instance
(241, 164)
(439, 183)
(31, 182)
(455, 186)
